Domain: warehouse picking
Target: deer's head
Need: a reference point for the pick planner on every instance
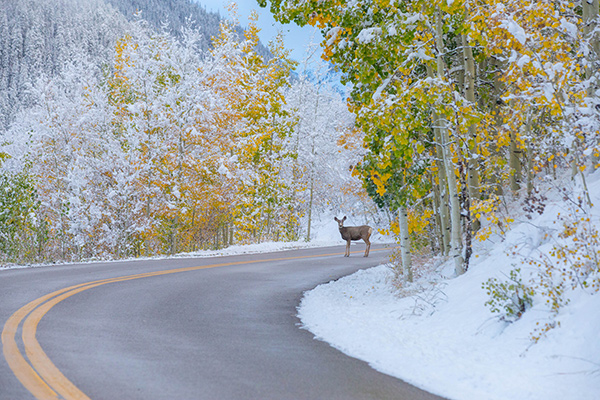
(340, 221)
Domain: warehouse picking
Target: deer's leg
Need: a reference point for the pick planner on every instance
(368, 243)
(347, 249)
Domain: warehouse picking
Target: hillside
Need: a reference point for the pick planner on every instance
(38, 38)
(438, 333)
(175, 13)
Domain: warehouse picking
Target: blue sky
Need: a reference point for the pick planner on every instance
(296, 39)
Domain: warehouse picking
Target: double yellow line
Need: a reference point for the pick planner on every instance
(39, 375)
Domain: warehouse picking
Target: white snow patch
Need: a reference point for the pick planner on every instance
(446, 341)
(368, 34)
(523, 60)
(332, 35)
(223, 170)
(568, 27)
(514, 29)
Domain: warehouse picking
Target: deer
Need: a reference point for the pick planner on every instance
(350, 233)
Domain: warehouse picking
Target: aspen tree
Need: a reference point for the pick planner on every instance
(405, 248)
(445, 144)
(473, 165)
(590, 11)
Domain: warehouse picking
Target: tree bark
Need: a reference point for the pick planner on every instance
(473, 168)
(442, 186)
(529, 169)
(437, 207)
(443, 193)
(442, 124)
(515, 163)
(466, 198)
(496, 107)
(310, 207)
(405, 245)
(591, 9)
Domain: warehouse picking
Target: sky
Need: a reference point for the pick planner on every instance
(295, 38)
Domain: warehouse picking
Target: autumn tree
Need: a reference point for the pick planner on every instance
(458, 98)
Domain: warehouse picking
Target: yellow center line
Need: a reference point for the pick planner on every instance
(40, 376)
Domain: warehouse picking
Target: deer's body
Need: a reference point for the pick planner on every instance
(350, 233)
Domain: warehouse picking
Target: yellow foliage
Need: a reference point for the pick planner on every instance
(418, 220)
(380, 180)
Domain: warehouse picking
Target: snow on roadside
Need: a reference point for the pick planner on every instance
(266, 247)
(446, 341)
(459, 351)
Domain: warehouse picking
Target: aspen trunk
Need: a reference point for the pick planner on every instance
(437, 214)
(405, 244)
(497, 104)
(514, 163)
(443, 193)
(441, 186)
(442, 124)
(472, 167)
(455, 214)
(310, 207)
(529, 168)
(591, 10)
(466, 198)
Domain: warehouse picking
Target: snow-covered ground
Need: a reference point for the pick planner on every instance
(442, 337)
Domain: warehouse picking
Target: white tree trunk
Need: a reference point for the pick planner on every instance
(405, 244)
(442, 126)
(455, 214)
(472, 167)
(443, 190)
(444, 211)
(440, 222)
(310, 207)
(591, 9)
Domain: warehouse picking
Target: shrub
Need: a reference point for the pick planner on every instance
(510, 298)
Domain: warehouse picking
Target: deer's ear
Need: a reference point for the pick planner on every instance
(343, 219)
(335, 219)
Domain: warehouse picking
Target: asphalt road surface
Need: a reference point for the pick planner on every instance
(207, 328)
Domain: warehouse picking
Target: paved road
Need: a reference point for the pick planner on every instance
(201, 331)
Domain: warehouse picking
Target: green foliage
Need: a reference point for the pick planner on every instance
(510, 298)
(21, 232)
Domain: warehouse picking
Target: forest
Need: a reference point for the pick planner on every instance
(171, 147)
(473, 114)
(464, 104)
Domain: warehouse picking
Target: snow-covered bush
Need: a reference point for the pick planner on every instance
(573, 262)
(561, 264)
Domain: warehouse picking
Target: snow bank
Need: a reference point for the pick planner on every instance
(443, 339)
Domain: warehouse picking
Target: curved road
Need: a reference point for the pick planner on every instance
(209, 328)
